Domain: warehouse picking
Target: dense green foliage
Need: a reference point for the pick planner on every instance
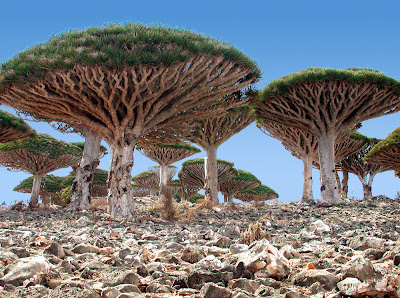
(201, 160)
(360, 136)
(43, 144)
(144, 174)
(99, 178)
(393, 139)
(9, 120)
(49, 183)
(81, 145)
(260, 190)
(244, 175)
(353, 75)
(63, 197)
(117, 47)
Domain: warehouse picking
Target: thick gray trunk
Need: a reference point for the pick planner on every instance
(326, 153)
(81, 187)
(34, 202)
(119, 180)
(307, 186)
(345, 183)
(211, 175)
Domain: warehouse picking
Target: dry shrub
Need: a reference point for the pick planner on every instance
(254, 233)
(200, 204)
(168, 211)
(20, 206)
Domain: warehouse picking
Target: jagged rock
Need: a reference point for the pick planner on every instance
(20, 252)
(318, 227)
(25, 269)
(265, 291)
(245, 284)
(238, 248)
(361, 242)
(350, 286)
(55, 249)
(85, 248)
(308, 277)
(360, 268)
(289, 252)
(211, 290)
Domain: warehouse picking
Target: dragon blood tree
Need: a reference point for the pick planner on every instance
(124, 82)
(176, 188)
(165, 155)
(151, 178)
(38, 156)
(140, 191)
(387, 152)
(193, 178)
(257, 194)
(211, 134)
(13, 128)
(304, 145)
(356, 164)
(241, 181)
(49, 185)
(327, 103)
(100, 154)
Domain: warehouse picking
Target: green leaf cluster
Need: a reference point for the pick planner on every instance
(244, 175)
(99, 178)
(43, 144)
(117, 47)
(49, 183)
(201, 160)
(144, 174)
(393, 139)
(260, 190)
(353, 75)
(360, 136)
(81, 145)
(9, 120)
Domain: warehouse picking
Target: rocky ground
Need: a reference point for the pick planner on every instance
(273, 250)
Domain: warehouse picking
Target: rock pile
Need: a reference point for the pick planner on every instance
(351, 250)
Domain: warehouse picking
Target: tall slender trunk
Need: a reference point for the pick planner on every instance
(119, 180)
(230, 198)
(163, 177)
(367, 185)
(81, 187)
(345, 183)
(326, 153)
(307, 185)
(34, 202)
(339, 185)
(211, 175)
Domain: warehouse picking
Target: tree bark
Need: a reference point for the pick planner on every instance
(81, 187)
(326, 153)
(211, 175)
(345, 183)
(34, 202)
(163, 177)
(367, 185)
(119, 180)
(230, 199)
(307, 186)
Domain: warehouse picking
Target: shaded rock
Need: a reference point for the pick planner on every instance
(238, 248)
(223, 242)
(156, 287)
(73, 290)
(111, 278)
(245, 284)
(110, 293)
(55, 249)
(123, 253)
(85, 248)
(21, 252)
(211, 290)
(360, 268)
(265, 291)
(289, 252)
(127, 288)
(325, 278)
(362, 242)
(197, 279)
(25, 269)
(318, 227)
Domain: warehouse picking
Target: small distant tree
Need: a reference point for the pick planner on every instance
(241, 181)
(13, 128)
(387, 152)
(38, 156)
(165, 155)
(176, 188)
(327, 103)
(212, 133)
(356, 164)
(192, 173)
(257, 194)
(140, 191)
(49, 186)
(151, 178)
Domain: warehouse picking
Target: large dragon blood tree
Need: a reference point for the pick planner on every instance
(165, 155)
(387, 152)
(356, 164)
(124, 82)
(304, 145)
(212, 133)
(13, 128)
(327, 103)
(241, 181)
(193, 178)
(49, 186)
(98, 184)
(257, 194)
(38, 156)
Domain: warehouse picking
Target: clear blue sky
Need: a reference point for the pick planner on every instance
(282, 36)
